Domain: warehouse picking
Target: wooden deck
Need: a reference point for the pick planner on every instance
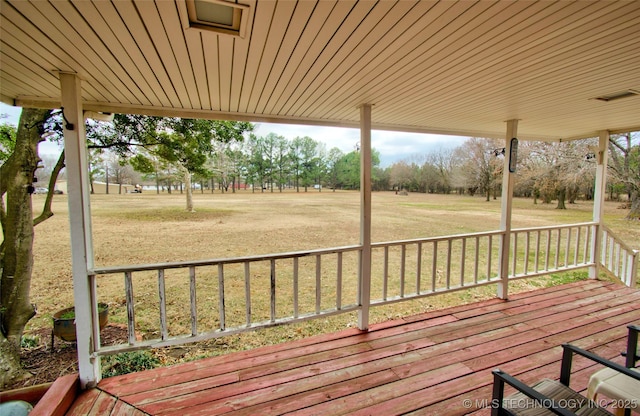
(437, 363)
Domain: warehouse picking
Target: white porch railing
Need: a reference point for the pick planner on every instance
(618, 258)
(228, 296)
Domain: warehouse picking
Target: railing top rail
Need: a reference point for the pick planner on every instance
(439, 238)
(554, 227)
(618, 240)
(227, 260)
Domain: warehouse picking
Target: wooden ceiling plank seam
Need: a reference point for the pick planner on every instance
(153, 25)
(563, 53)
(194, 42)
(38, 78)
(57, 44)
(35, 89)
(177, 39)
(292, 35)
(563, 62)
(7, 35)
(359, 43)
(240, 59)
(416, 45)
(542, 100)
(262, 20)
(99, 35)
(326, 29)
(211, 61)
(85, 40)
(498, 63)
(324, 59)
(283, 12)
(9, 65)
(446, 65)
(320, 14)
(607, 68)
(140, 65)
(560, 106)
(226, 71)
(332, 46)
(14, 36)
(392, 39)
(154, 67)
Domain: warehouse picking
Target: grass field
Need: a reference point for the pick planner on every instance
(151, 228)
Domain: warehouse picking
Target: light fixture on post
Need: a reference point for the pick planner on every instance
(218, 16)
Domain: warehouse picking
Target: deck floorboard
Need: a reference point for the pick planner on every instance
(434, 363)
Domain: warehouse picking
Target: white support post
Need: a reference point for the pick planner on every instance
(598, 202)
(508, 181)
(75, 150)
(365, 216)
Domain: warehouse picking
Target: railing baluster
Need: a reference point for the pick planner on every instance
(296, 290)
(418, 267)
(221, 311)
(611, 243)
(558, 248)
(272, 291)
(515, 253)
(95, 322)
(548, 250)
(434, 271)
(339, 281)
(193, 299)
(617, 263)
(318, 284)
(449, 264)
(163, 306)
(577, 249)
(247, 292)
(537, 256)
(567, 248)
(490, 255)
(131, 317)
(385, 274)
(587, 241)
(623, 265)
(463, 260)
(477, 261)
(526, 252)
(403, 263)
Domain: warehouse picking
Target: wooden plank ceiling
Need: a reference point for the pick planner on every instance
(454, 67)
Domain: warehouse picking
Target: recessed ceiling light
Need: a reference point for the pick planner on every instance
(218, 16)
(618, 95)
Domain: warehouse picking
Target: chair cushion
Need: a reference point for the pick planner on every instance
(521, 405)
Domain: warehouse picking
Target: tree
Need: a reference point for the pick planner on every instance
(16, 250)
(480, 165)
(185, 143)
(625, 167)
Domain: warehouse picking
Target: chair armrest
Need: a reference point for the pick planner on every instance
(632, 346)
(500, 377)
(567, 357)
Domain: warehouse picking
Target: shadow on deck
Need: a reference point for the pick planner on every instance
(436, 363)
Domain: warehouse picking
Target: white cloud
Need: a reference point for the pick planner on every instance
(393, 146)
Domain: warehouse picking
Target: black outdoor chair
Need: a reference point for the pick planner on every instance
(550, 397)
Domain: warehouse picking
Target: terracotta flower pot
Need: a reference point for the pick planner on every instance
(64, 321)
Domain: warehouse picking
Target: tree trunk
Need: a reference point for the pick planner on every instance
(634, 214)
(16, 257)
(561, 198)
(187, 185)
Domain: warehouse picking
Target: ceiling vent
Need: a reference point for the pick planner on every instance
(218, 16)
(618, 95)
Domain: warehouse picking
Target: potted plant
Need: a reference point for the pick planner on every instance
(64, 321)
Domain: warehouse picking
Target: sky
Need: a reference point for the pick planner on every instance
(392, 146)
